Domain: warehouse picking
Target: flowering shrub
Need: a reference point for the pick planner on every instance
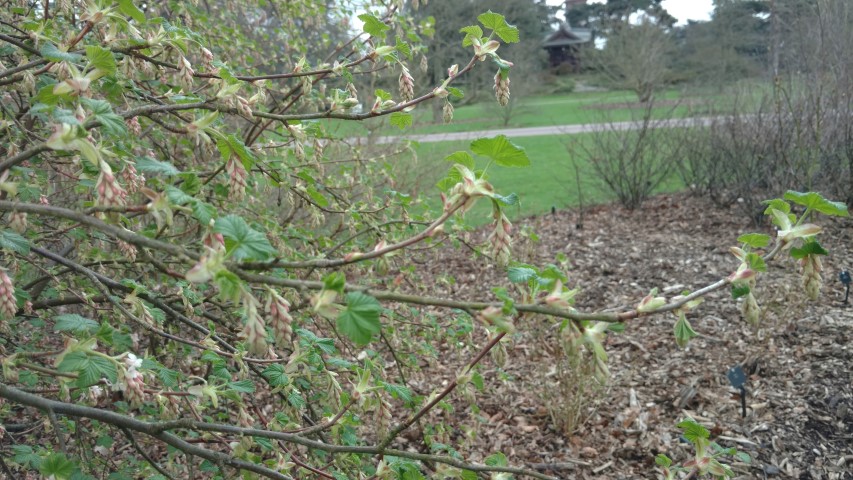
(200, 279)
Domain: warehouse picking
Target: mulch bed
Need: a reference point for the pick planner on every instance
(799, 421)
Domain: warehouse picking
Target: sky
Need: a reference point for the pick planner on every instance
(683, 10)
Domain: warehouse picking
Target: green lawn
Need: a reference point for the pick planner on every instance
(549, 181)
(534, 111)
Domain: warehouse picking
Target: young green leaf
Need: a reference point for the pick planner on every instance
(754, 240)
(360, 320)
(502, 151)
(683, 331)
(101, 58)
(497, 22)
(462, 158)
(71, 322)
(128, 8)
(57, 467)
(373, 26)
(693, 431)
(151, 165)
(401, 120)
(740, 290)
(241, 241)
(521, 274)
(242, 386)
(50, 52)
(14, 242)
(810, 247)
(816, 201)
(275, 375)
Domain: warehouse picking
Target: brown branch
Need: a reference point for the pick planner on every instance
(159, 431)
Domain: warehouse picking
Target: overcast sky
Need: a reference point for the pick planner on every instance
(683, 10)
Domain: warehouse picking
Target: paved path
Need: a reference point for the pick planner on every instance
(540, 131)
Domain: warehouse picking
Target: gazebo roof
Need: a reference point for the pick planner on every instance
(566, 35)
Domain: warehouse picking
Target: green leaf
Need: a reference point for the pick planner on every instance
(810, 247)
(73, 362)
(398, 391)
(275, 375)
(756, 262)
(693, 431)
(743, 457)
(360, 320)
(241, 241)
(683, 332)
(462, 158)
(54, 54)
(497, 22)
(755, 240)
(616, 327)
(242, 386)
(501, 150)
(318, 197)
(777, 204)
(101, 58)
(295, 399)
(57, 466)
(103, 113)
(740, 290)
(382, 94)
(177, 196)
(404, 48)
(508, 200)
(373, 26)
(663, 461)
(401, 120)
(71, 322)
(335, 281)
(95, 369)
(521, 274)
(471, 32)
(203, 212)
(496, 460)
(128, 8)
(455, 92)
(230, 285)
(12, 241)
(151, 165)
(816, 201)
(477, 381)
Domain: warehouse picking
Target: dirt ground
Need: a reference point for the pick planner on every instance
(799, 420)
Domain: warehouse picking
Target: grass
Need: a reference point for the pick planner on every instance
(550, 181)
(534, 111)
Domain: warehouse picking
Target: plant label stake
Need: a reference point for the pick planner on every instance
(737, 378)
(844, 276)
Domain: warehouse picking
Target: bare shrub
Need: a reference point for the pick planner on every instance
(632, 158)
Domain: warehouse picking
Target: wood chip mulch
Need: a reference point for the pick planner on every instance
(799, 421)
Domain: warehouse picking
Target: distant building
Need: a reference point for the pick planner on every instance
(563, 46)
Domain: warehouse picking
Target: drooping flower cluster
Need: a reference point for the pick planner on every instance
(278, 315)
(500, 240)
(812, 280)
(502, 87)
(407, 85)
(447, 112)
(132, 178)
(185, 74)
(237, 176)
(110, 193)
(18, 221)
(254, 330)
(8, 304)
(131, 381)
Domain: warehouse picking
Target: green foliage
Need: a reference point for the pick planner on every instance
(360, 320)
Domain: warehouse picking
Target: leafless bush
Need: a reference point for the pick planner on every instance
(631, 158)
